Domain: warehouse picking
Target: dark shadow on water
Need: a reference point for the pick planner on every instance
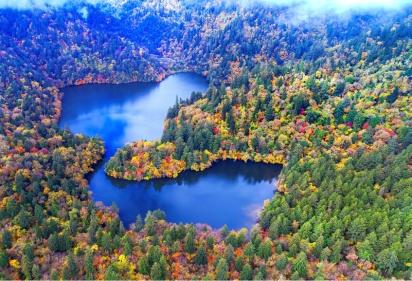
(252, 173)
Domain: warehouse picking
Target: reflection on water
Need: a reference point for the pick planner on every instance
(228, 193)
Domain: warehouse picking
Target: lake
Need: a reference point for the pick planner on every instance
(227, 193)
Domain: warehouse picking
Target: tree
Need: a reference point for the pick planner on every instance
(299, 103)
(127, 245)
(239, 263)
(246, 273)
(222, 270)
(387, 261)
(111, 273)
(282, 262)
(224, 231)
(394, 95)
(269, 115)
(143, 265)
(357, 229)
(190, 243)
(36, 274)
(156, 272)
(319, 244)
(265, 250)
(300, 265)
(88, 264)
(4, 259)
(340, 88)
(229, 253)
(138, 226)
(6, 239)
(27, 266)
(54, 275)
(154, 255)
(71, 266)
(249, 250)
(28, 251)
(201, 255)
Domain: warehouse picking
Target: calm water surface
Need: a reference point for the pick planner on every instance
(228, 193)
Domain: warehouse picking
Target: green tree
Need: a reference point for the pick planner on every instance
(201, 255)
(26, 266)
(282, 262)
(265, 249)
(88, 264)
(143, 265)
(138, 225)
(111, 273)
(6, 239)
(36, 274)
(190, 243)
(4, 259)
(156, 272)
(300, 265)
(387, 261)
(222, 270)
(71, 266)
(357, 229)
(246, 273)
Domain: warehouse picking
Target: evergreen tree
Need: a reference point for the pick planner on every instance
(26, 266)
(201, 255)
(387, 261)
(282, 262)
(6, 239)
(143, 265)
(111, 273)
(265, 250)
(4, 259)
(300, 265)
(156, 272)
(36, 274)
(88, 264)
(246, 273)
(190, 243)
(138, 226)
(222, 270)
(71, 266)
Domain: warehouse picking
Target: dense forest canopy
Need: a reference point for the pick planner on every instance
(326, 96)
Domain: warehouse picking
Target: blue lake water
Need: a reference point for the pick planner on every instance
(227, 193)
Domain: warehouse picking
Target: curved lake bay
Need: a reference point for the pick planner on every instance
(227, 193)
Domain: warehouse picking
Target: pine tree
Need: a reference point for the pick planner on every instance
(111, 273)
(4, 259)
(222, 270)
(156, 272)
(88, 264)
(6, 239)
(387, 261)
(36, 274)
(138, 225)
(201, 256)
(190, 243)
(300, 265)
(265, 250)
(282, 262)
(54, 275)
(246, 273)
(143, 265)
(26, 266)
(71, 266)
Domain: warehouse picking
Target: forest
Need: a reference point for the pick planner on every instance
(328, 99)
